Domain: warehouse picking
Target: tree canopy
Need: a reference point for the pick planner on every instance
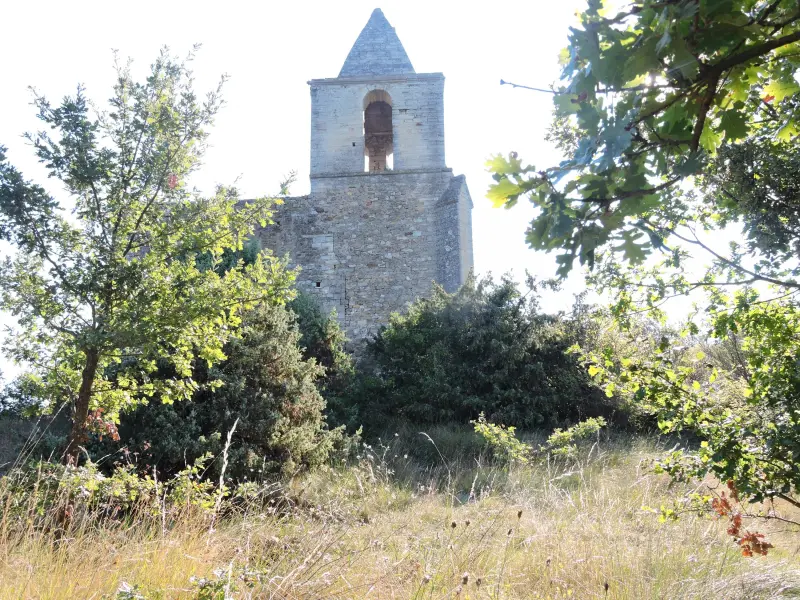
(647, 96)
(106, 283)
(270, 391)
(679, 122)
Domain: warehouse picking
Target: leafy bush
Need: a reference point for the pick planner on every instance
(561, 443)
(323, 340)
(503, 440)
(46, 494)
(267, 385)
(115, 279)
(484, 349)
(743, 412)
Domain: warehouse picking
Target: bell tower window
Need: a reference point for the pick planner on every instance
(378, 134)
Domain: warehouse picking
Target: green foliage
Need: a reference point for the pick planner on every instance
(103, 296)
(753, 185)
(634, 335)
(731, 388)
(646, 98)
(561, 443)
(485, 348)
(44, 488)
(503, 440)
(267, 385)
(750, 432)
(323, 340)
(756, 183)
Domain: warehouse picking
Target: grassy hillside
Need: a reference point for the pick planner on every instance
(389, 527)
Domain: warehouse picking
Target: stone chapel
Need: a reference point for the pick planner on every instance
(385, 217)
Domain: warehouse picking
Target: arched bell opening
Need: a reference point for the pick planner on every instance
(378, 134)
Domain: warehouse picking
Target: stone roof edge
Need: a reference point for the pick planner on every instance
(380, 173)
(375, 78)
(243, 201)
(391, 53)
(453, 191)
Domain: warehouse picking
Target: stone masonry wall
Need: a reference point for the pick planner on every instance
(464, 224)
(454, 235)
(367, 243)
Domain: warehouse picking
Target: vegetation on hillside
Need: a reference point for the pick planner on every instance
(678, 120)
(268, 390)
(462, 526)
(486, 348)
(104, 284)
(212, 419)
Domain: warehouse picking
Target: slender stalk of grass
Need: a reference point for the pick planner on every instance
(221, 487)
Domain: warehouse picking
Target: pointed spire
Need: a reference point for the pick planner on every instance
(377, 51)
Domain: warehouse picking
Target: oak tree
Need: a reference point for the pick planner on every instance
(679, 119)
(648, 95)
(106, 284)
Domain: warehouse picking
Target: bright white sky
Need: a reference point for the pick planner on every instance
(271, 49)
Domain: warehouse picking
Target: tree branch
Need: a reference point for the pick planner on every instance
(717, 69)
(625, 195)
(767, 12)
(730, 263)
(781, 24)
(708, 98)
(788, 499)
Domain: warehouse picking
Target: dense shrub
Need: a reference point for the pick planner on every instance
(485, 348)
(267, 385)
(323, 340)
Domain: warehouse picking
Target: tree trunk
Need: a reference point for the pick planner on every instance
(77, 435)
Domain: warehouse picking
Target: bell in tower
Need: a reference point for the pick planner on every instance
(378, 133)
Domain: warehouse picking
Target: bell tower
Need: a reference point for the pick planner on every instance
(386, 217)
(378, 114)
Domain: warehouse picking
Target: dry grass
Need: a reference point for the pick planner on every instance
(387, 529)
